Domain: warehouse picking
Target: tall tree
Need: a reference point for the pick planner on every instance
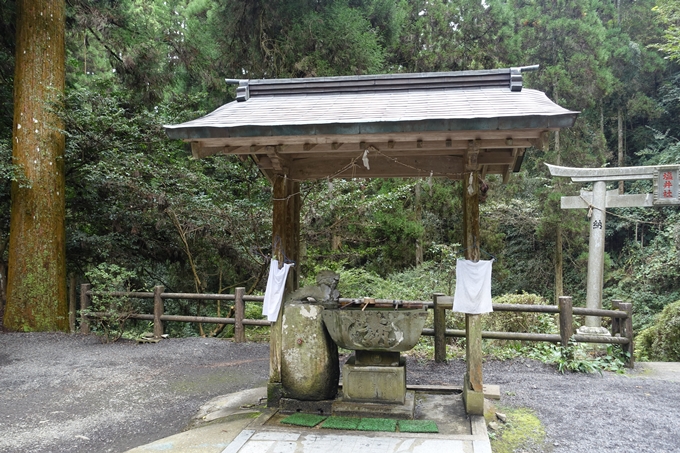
(567, 38)
(669, 14)
(36, 282)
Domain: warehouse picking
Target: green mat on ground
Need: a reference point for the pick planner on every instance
(418, 426)
(301, 419)
(377, 424)
(335, 422)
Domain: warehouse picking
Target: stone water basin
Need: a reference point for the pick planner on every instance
(375, 329)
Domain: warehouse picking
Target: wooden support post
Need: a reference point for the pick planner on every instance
(566, 320)
(627, 332)
(84, 305)
(72, 303)
(286, 243)
(158, 311)
(439, 330)
(473, 351)
(473, 387)
(616, 322)
(239, 310)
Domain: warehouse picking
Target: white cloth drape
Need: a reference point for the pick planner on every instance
(273, 295)
(473, 287)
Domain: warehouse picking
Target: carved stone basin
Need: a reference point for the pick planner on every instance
(386, 330)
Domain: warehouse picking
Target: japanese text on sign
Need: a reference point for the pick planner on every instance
(668, 185)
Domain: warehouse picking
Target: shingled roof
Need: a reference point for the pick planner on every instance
(412, 124)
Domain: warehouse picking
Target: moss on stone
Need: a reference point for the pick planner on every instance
(522, 431)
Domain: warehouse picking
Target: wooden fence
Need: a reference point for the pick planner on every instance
(621, 334)
(621, 318)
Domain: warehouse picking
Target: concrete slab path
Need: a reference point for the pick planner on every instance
(237, 423)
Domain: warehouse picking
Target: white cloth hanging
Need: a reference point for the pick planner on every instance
(273, 295)
(473, 287)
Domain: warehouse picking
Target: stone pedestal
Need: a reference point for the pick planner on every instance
(309, 357)
(406, 411)
(374, 384)
(595, 332)
(587, 330)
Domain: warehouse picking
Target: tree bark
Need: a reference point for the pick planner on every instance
(36, 281)
(559, 259)
(3, 277)
(286, 243)
(621, 154)
(419, 219)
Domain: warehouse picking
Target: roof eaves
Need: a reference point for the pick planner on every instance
(386, 127)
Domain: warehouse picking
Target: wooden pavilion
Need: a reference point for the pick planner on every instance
(457, 125)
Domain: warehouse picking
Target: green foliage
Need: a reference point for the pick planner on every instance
(453, 36)
(107, 314)
(661, 341)
(507, 321)
(669, 14)
(135, 199)
(579, 357)
(412, 284)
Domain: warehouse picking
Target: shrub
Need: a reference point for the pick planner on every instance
(508, 321)
(661, 341)
(111, 312)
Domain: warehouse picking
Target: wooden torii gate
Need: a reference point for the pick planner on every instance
(457, 125)
(665, 193)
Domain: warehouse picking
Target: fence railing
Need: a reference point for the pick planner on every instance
(621, 318)
(621, 333)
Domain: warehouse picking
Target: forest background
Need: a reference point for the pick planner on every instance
(141, 212)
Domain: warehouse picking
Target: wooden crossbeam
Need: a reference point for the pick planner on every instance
(444, 145)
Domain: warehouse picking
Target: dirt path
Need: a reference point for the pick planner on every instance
(63, 393)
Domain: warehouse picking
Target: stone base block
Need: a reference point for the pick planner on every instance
(274, 394)
(474, 401)
(374, 384)
(586, 330)
(404, 411)
(291, 406)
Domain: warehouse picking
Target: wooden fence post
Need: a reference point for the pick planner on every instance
(616, 322)
(239, 311)
(627, 331)
(439, 330)
(72, 303)
(566, 320)
(84, 305)
(157, 311)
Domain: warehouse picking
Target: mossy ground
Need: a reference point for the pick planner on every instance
(522, 431)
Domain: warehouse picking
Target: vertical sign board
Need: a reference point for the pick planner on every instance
(666, 186)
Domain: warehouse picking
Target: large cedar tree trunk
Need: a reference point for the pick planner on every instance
(36, 280)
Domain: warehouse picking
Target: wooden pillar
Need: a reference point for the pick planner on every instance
(84, 305)
(286, 243)
(627, 332)
(616, 322)
(158, 310)
(439, 329)
(566, 320)
(71, 303)
(239, 309)
(473, 385)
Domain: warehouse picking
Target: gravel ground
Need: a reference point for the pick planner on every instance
(70, 393)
